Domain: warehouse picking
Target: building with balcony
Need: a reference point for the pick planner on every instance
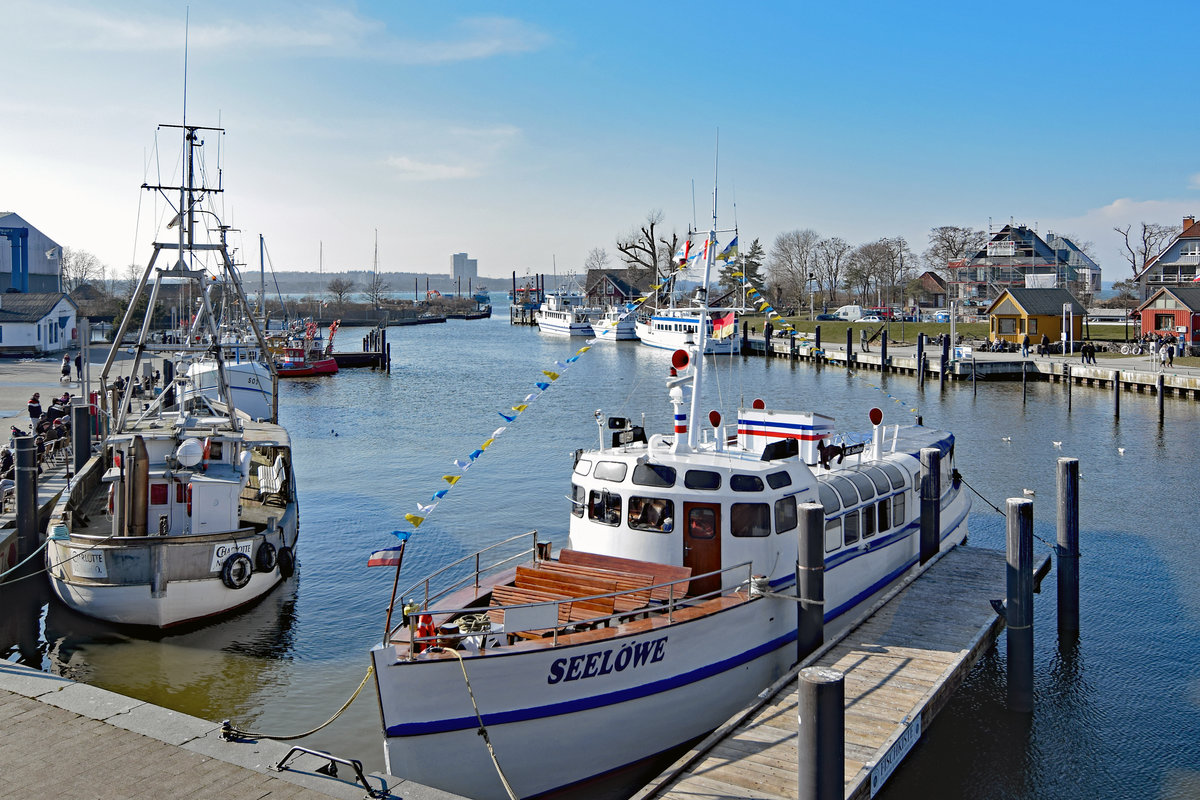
(1017, 257)
(1177, 265)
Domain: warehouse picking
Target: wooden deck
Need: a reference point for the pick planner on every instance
(903, 662)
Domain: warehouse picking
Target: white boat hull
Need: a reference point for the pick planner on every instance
(612, 330)
(659, 332)
(249, 383)
(559, 328)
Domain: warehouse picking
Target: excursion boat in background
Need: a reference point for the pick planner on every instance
(189, 510)
(616, 323)
(679, 328)
(671, 604)
(563, 314)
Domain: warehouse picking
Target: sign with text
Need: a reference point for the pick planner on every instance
(226, 549)
(88, 564)
(895, 754)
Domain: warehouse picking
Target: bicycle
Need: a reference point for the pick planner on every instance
(1132, 349)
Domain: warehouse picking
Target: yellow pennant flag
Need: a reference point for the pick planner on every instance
(582, 350)
(414, 519)
(551, 375)
(486, 444)
(520, 408)
(451, 479)
(737, 274)
(764, 305)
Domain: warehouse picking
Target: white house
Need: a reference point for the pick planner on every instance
(37, 323)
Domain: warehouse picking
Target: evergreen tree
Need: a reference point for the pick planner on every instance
(749, 263)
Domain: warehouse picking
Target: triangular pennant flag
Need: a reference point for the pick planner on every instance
(737, 274)
(498, 431)
(425, 509)
(529, 398)
(414, 519)
(486, 444)
(582, 350)
(551, 375)
(452, 479)
(439, 494)
(402, 535)
(476, 454)
(543, 385)
(521, 407)
(458, 462)
(507, 417)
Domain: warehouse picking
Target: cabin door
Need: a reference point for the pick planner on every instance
(702, 544)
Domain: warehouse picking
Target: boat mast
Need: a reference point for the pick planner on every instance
(262, 282)
(710, 248)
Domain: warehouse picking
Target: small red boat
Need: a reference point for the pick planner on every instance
(304, 358)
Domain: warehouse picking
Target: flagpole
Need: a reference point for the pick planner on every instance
(387, 625)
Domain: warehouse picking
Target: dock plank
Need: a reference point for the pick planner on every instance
(903, 661)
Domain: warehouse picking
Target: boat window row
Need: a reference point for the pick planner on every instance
(657, 514)
(664, 477)
(863, 523)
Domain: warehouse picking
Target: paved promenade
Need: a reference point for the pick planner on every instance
(65, 739)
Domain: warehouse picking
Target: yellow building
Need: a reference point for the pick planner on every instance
(1036, 312)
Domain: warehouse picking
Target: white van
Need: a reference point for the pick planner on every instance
(849, 313)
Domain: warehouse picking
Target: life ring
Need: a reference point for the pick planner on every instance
(285, 559)
(236, 571)
(425, 630)
(265, 559)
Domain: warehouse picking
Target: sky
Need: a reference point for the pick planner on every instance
(529, 133)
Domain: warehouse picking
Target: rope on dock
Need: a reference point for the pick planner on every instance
(228, 729)
(482, 728)
(958, 476)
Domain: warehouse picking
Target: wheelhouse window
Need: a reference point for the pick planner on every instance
(702, 479)
(750, 519)
(651, 514)
(658, 475)
(778, 480)
(745, 483)
(583, 466)
(605, 507)
(885, 514)
(785, 514)
(868, 521)
(577, 500)
(850, 527)
(833, 535)
(611, 471)
(898, 509)
(845, 490)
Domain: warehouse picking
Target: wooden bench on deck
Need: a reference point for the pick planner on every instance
(660, 573)
(638, 595)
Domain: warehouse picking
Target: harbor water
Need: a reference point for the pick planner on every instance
(1116, 712)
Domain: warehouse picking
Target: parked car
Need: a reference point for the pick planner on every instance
(871, 318)
(826, 318)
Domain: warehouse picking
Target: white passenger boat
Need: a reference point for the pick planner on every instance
(671, 605)
(564, 314)
(615, 323)
(189, 509)
(679, 328)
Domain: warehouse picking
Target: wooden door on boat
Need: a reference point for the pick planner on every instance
(702, 544)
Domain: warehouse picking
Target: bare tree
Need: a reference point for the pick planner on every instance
(645, 253)
(869, 267)
(793, 257)
(79, 267)
(831, 264)
(896, 269)
(1144, 246)
(597, 258)
(133, 274)
(951, 243)
(340, 288)
(375, 289)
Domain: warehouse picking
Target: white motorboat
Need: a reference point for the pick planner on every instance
(564, 314)
(679, 328)
(671, 605)
(189, 510)
(615, 323)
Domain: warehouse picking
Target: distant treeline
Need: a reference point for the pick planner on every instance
(318, 282)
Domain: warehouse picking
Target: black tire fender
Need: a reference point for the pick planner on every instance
(236, 571)
(265, 559)
(286, 560)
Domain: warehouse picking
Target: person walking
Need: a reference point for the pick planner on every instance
(1170, 354)
(66, 369)
(79, 367)
(35, 408)
(1025, 346)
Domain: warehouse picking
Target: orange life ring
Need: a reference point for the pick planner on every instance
(425, 630)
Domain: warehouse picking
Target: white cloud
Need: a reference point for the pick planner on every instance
(412, 170)
(1194, 181)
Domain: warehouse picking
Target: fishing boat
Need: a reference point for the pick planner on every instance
(189, 509)
(563, 313)
(615, 323)
(302, 354)
(671, 604)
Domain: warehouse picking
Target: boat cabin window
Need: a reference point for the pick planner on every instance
(583, 466)
(577, 500)
(702, 479)
(750, 519)
(605, 507)
(215, 450)
(885, 514)
(654, 475)
(745, 483)
(879, 479)
(895, 474)
(850, 528)
(868, 521)
(898, 509)
(833, 535)
(865, 487)
(651, 514)
(778, 480)
(845, 490)
(785, 514)
(611, 471)
(702, 523)
(829, 498)
(158, 494)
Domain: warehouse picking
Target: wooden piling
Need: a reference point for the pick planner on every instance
(944, 368)
(1116, 382)
(26, 494)
(849, 346)
(1070, 380)
(931, 502)
(974, 387)
(1158, 388)
(81, 433)
(1019, 609)
(1068, 547)
(768, 329)
(817, 337)
(883, 362)
(921, 360)
(821, 734)
(389, 358)
(810, 580)
(745, 345)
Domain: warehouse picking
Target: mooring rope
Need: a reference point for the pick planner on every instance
(482, 728)
(253, 735)
(958, 476)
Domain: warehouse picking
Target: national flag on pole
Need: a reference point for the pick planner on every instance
(724, 326)
(1196, 279)
(730, 252)
(681, 255)
(387, 557)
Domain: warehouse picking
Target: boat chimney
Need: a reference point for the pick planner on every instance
(680, 444)
(876, 434)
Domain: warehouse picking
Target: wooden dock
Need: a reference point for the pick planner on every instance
(901, 665)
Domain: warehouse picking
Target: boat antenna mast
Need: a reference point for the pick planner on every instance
(709, 258)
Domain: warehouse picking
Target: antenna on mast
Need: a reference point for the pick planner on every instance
(186, 21)
(694, 225)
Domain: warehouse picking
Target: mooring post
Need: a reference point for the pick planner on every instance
(883, 351)
(792, 345)
(389, 358)
(942, 374)
(849, 346)
(821, 734)
(745, 348)
(817, 337)
(1116, 381)
(1069, 379)
(768, 329)
(81, 433)
(974, 388)
(1068, 547)
(810, 580)
(1019, 609)
(920, 359)
(931, 502)
(26, 495)
(1158, 388)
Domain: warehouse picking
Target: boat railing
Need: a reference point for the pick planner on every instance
(668, 608)
(432, 579)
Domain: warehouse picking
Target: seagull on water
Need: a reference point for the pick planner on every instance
(1057, 444)
(1121, 450)
(1028, 492)
(1006, 438)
